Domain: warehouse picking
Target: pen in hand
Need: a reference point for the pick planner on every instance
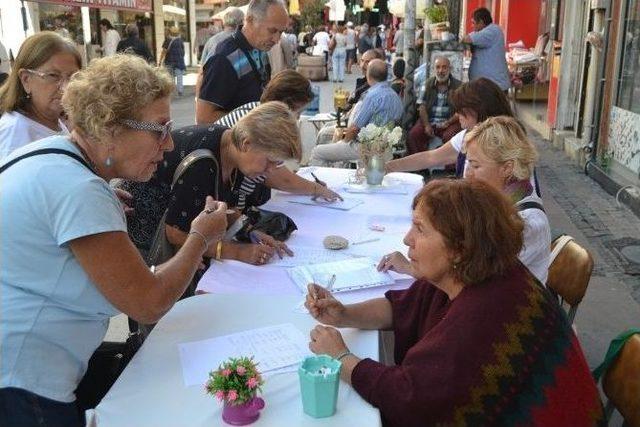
(324, 184)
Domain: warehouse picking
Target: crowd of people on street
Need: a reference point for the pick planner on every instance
(94, 177)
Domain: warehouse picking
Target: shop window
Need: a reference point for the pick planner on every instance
(629, 86)
(64, 20)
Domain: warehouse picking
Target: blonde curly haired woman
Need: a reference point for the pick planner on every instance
(68, 264)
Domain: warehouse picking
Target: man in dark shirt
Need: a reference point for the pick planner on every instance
(237, 72)
(133, 44)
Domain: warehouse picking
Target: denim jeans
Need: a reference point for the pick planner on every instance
(20, 408)
(177, 73)
(339, 59)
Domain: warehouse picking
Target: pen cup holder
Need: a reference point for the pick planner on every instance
(319, 381)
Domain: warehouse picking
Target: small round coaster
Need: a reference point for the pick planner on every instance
(335, 242)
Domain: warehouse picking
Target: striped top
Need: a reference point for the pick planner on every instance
(229, 120)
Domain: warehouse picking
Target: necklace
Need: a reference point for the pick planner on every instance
(232, 180)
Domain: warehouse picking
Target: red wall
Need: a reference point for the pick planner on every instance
(517, 18)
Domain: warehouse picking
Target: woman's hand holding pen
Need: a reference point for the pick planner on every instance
(320, 189)
(323, 306)
(264, 239)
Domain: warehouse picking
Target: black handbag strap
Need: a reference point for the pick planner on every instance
(530, 205)
(254, 67)
(46, 151)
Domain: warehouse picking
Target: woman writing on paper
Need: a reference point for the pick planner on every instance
(500, 154)
(478, 340)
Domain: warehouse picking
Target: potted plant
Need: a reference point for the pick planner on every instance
(376, 143)
(438, 17)
(236, 383)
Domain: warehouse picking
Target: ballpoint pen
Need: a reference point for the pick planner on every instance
(324, 184)
(257, 240)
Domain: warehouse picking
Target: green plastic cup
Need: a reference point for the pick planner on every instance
(319, 381)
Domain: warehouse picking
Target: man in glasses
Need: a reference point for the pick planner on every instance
(237, 71)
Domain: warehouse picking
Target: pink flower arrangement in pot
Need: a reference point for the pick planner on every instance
(236, 383)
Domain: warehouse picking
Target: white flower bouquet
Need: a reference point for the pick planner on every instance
(376, 143)
(378, 140)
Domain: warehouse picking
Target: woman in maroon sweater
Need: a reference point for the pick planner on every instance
(478, 341)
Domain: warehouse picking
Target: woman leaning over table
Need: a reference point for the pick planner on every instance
(499, 153)
(478, 341)
(256, 146)
(30, 98)
(67, 262)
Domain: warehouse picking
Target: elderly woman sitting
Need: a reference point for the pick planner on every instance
(67, 262)
(478, 341)
(499, 153)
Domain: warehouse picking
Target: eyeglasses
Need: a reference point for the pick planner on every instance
(162, 130)
(52, 77)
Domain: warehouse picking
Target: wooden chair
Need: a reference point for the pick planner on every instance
(621, 383)
(569, 272)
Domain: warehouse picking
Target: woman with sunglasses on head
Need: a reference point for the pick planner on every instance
(68, 264)
(30, 98)
(247, 157)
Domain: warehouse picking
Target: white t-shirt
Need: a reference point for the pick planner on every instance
(53, 315)
(351, 38)
(536, 240)
(17, 130)
(111, 40)
(322, 43)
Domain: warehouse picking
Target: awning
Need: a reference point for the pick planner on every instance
(220, 15)
(138, 5)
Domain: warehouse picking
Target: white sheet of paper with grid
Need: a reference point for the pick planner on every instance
(272, 347)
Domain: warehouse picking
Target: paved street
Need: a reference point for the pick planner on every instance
(576, 205)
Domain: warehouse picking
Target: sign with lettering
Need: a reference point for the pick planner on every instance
(141, 5)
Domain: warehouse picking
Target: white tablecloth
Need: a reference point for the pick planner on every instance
(393, 211)
(151, 391)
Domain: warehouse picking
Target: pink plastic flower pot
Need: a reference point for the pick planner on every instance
(243, 414)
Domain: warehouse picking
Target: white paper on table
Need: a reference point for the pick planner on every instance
(351, 274)
(343, 205)
(385, 188)
(273, 347)
(391, 224)
(304, 255)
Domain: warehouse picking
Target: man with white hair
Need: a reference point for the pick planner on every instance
(437, 121)
(237, 71)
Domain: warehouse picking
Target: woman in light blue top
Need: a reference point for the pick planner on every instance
(67, 262)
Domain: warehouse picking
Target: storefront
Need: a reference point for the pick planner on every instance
(79, 20)
(619, 150)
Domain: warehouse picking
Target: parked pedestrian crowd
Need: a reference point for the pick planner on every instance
(107, 209)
